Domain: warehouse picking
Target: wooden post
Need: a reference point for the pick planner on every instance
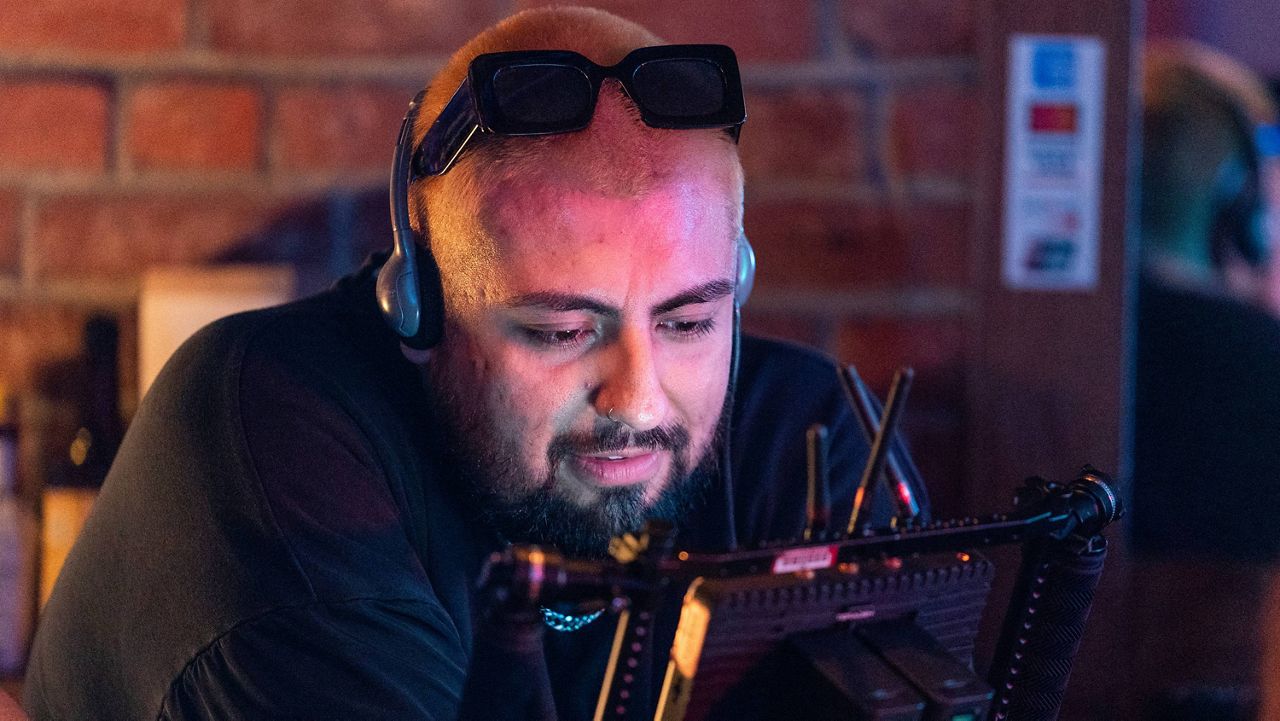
(1048, 379)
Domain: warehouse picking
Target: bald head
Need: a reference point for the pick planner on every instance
(1200, 109)
(600, 36)
(617, 155)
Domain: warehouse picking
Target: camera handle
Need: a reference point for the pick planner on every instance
(1048, 610)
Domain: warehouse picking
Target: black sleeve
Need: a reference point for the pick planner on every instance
(374, 641)
(368, 659)
(260, 547)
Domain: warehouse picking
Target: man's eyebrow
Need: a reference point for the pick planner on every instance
(569, 302)
(705, 293)
(562, 303)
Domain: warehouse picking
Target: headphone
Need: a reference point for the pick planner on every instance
(1238, 222)
(409, 292)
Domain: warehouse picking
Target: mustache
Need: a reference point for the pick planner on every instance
(616, 437)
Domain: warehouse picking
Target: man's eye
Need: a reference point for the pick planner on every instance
(688, 328)
(557, 337)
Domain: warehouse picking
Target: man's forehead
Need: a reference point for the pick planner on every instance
(561, 197)
(532, 211)
(557, 238)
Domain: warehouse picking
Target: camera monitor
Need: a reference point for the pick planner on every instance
(888, 638)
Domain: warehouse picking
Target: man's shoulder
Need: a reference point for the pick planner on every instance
(1206, 338)
(329, 343)
(323, 329)
(770, 362)
(267, 468)
(783, 389)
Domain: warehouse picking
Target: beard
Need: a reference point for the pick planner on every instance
(524, 507)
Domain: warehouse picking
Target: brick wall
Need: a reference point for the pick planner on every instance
(858, 152)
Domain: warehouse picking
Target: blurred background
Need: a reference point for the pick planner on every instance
(166, 161)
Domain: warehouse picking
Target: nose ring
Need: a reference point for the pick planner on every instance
(609, 415)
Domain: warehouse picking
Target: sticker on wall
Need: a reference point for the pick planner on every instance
(1053, 162)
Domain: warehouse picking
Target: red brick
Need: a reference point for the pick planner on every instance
(767, 30)
(124, 26)
(50, 125)
(938, 242)
(934, 347)
(892, 28)
(805, 134)
(105, 236)
(338, 128)
(935, 131)
(201, 126)
(10, 215)
(347, 27)
(34, 336)
(808, 244)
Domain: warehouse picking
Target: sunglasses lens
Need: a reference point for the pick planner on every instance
(541, 94)
(680, 88)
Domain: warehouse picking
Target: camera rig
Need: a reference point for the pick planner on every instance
(851, 623)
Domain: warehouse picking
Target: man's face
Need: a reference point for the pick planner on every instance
(586, 386)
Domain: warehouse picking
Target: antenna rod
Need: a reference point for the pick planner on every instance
(818, 504)
(902, 474)
(880, 447)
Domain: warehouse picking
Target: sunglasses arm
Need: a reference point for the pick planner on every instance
(448, 135)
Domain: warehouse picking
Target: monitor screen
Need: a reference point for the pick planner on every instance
(737, 646)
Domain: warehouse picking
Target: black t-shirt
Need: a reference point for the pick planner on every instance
(279, 537)
(1206, 426)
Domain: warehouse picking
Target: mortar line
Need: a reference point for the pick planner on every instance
(204, 63)
(178, 183)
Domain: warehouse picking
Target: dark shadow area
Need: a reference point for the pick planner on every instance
(323, 239)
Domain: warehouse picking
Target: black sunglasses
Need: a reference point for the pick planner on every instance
(540, 92)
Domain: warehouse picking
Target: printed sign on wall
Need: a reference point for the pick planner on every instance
(1053, 162)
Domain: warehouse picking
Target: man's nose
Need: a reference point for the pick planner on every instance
(631, 390)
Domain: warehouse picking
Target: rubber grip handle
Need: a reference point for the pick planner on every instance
(1038, 644)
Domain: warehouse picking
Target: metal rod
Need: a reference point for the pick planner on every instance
(902, 474)
(884, 436)
(818, 502)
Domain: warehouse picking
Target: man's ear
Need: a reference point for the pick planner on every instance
(416, 356)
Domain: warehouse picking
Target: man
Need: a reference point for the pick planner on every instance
(295, 523)
(1207, 347)
(1206, 467)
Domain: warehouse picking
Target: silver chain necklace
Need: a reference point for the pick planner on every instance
(568, 622)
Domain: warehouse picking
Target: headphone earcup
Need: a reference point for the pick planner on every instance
(430, 302)
(1238, 224)
(411, 298)
(746, 271)
(1251, 236)
(397, 293)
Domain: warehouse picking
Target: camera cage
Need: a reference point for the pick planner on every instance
(882, 622)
